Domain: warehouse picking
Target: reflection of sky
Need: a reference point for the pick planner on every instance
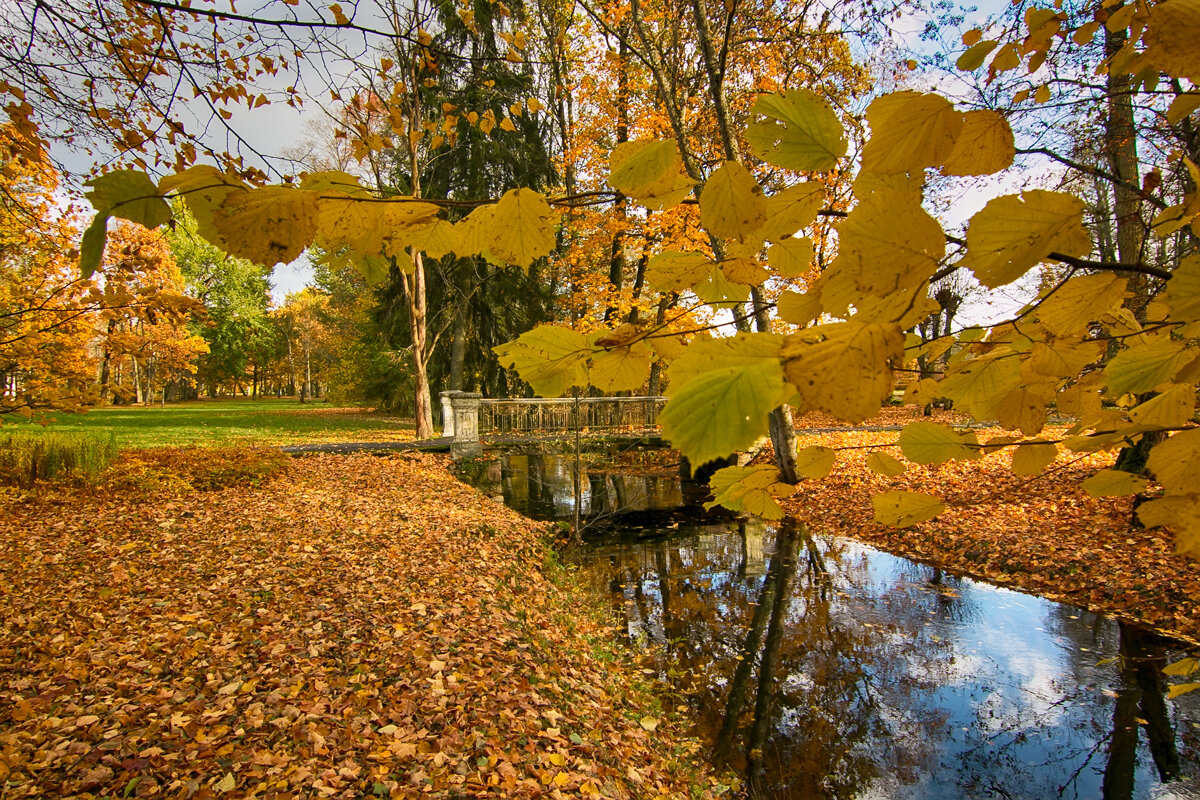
(970, 690)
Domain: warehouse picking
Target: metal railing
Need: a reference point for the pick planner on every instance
(536, 415)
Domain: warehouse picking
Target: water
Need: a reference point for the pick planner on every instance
(823, 668)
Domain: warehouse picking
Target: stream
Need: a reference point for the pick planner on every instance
(820, 667)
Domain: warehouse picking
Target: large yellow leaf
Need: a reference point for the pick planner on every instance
(1059, 359)
(203, 188)
(343, 183)
(723, 410)
(1173, 408)
(815, 462)
(673, 271)
(800, 131)
(521, 229)
(705, 355)
(902, 509)
(268, 226)
(886, 245)
(791, 258)
(732, 205)
(129, 194)
(910, 131)
(883, 464)
(1180, 513)
(550, 358)
(434, 240)
(985, 145)
(621, 369)
(749, 489)
(1079, 302)
(1143, 367)
(980, 384)
(720, 292)
(1024, 408)
(1014, 233)
(365, 225)
(791, 210)
(1183, 290)
(932, 443)
(1114, 483)
(1031, 459)
(472, 232)
(797, 308)
(843, 368)
(1175, 463)
(1173, 38)
(649, 172)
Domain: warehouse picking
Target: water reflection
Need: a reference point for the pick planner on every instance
(824, 668)
(540, 486)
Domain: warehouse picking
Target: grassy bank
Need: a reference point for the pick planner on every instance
(209, 423)
(331, 633)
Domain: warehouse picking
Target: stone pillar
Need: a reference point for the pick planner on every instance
(465, 410)
(448, 413)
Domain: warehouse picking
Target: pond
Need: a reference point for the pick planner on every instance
(823, 668)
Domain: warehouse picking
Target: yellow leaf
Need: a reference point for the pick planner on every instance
(368, 227)
(550, 358)
(649, 172)
(791, 258)
(797, 308)
(522, 227)
(1182, 668)
(487, 121)
(507, 125)
(1173, 38)
(1182, 107)
(533, 104)
(932, 443)
(128, 194)
(621, 369)
(1175, 463)
(732, 204)
(902, 509)
(1058, 359)
(1042, 95)
(971, 37)
(888, 244)
(883, 464)
(744, 270)
(1079, 302)
(557, 759)
(1024, 408)
(649, 723)
(1183, 290)
(980, 384)
(423, 37)
(973, 58)
(270, 225)
(226, 784)
(1031, 459)
(792, 209)
(815, 462)
(1143, 367)
(338, 15)
(1181, 514)
(1013, 233)
(985, 145)
(750, 489)
(672, 271)
(800, 132)
(516, 109)
(1173, 408)
(1181, 688)
(910, 131)
(434, 240)
(843, 368)
(1114, 483)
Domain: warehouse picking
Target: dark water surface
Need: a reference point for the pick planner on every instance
(828, 669)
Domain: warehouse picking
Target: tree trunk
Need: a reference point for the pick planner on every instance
(414, 294)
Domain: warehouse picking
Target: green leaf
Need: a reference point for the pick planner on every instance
(750, 489)
(521, 229)
(910, 131)
(621, 369)
(1031, 459)
(91, 247)
(732, 205)
(883, 464)
(270, 225)
(902, 509)
(843, 368)
(800, 132)
(1114, 483)
(550, 358)
(129, 194)
(1175, 463)
(984, 147)
(1144, 367)
(932, 443)
(975, 55)
(815, 462)
(723, 410)
(1014, 233)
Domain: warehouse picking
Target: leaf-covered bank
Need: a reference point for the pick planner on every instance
(358, 626)
(1041, 534)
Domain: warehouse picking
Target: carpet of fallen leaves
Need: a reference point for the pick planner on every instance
(358, 626)
(1042, 535)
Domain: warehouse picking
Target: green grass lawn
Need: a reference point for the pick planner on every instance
(225, 422)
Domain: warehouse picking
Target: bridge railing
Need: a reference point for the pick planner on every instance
(538, 415)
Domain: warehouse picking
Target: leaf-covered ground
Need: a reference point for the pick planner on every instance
(357, 626)
(1043, 535)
